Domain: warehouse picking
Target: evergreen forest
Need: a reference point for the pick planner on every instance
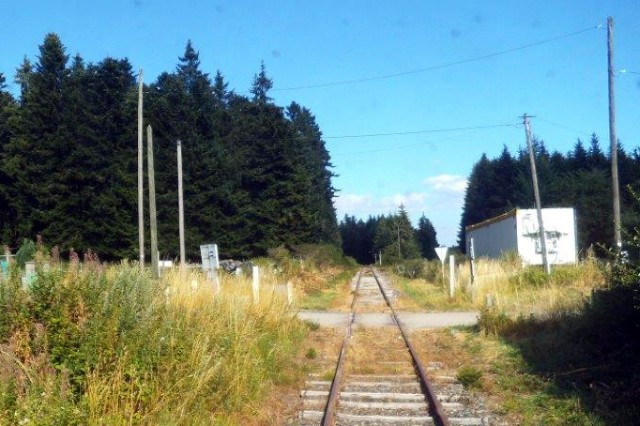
(256, 175)
(580, 179)
(391, 237)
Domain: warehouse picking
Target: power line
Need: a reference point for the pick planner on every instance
(402, 147)
(565, 127)
(417, 132)
(440, 66)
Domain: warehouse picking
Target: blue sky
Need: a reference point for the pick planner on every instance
(305, 43)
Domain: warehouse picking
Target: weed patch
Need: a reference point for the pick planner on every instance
(90, 344)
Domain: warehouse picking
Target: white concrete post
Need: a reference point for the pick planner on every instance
(452, 276)
(256, 283)
(289, 292)
(215, 281)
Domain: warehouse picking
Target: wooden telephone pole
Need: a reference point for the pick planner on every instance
(140, 175)
(155, 258)
(613, 139)
(536, 194)
(180, 206)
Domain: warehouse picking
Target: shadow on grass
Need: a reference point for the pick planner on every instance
(593, 354)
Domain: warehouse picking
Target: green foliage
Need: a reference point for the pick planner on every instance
(530, 276)
(579, 179)
(26, 252)
(492, 320)
(391, 236)
(312, 325)
(427, 239)
(87, 344)
(255, 176)
(412, 268)
(470, 377)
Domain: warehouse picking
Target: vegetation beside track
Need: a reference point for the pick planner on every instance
(87, 343)
(558, 349)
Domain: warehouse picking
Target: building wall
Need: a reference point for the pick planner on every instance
(518, 232)
(560, 231)
(494, 239)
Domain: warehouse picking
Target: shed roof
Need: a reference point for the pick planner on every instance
(487, 222)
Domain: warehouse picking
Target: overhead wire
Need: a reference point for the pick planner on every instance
(560, 126)
(417, 132)
(467, 131)
(440, 66)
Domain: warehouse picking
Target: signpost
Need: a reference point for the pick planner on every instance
(210, 262)
(442, 255)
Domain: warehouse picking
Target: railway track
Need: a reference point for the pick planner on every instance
(379, 378)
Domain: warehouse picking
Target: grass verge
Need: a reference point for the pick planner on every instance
(89, 344)
(515, 393)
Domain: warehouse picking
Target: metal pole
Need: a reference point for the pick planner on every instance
(536, 194)
(615, 185)
(180, 205)
(140, 176)
(155, 267)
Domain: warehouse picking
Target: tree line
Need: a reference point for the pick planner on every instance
(580, 179)
(256, 175)
(392, 237)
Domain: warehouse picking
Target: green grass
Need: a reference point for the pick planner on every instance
(535, 399)
(330, 293)
(89, 344)
(519, 393)
(433, 297)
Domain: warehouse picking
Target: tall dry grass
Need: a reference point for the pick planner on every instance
(517, 290)
(108, 345)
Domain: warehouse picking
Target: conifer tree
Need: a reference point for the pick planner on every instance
(8, 216)
(261, 86)
(34, 156)
(427, 238)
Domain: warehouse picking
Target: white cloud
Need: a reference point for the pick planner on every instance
(447, 183)
(348, 202)
(408, 199)
(365, 205)
(441, 201)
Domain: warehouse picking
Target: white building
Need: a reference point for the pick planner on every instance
(518, 231)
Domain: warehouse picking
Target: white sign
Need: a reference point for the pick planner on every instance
(442, 253)
(209, 254)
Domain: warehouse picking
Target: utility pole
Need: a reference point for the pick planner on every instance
(140, 175)
(155, 267)
(180, 206)
(398, 241)
(613, 139)
(536, 194)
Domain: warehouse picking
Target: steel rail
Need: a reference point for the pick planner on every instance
(329, 411)
(437, 411)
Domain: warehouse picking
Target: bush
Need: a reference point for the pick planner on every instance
(470, 377)
(412, 268)
(26, 252)
(492, 320)
(531, 276)
(86, 344)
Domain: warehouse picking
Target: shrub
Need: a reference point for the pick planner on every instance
(26, 252)
(86, 344)
(492, 320)
(412, 268)
(470, 377)
(531, 276)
